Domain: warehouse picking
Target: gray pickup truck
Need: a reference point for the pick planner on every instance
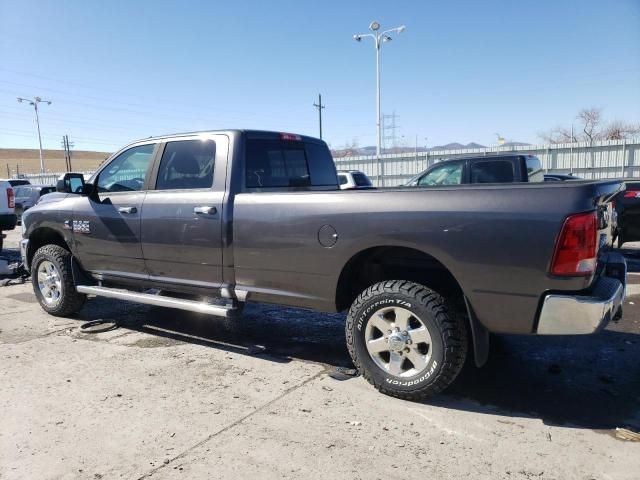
(208, 221)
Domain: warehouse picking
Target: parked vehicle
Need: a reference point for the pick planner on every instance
(485, 169)
(425, 273)
(559, 177)
(7, 209)
(28, 195)
(353, 180)
(627, 208)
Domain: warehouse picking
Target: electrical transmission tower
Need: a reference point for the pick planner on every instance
(389, 127)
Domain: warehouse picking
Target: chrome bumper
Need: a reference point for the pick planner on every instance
(24, 244)
(578, 314)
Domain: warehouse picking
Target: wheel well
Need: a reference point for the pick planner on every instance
(44, 236)
(393, 263)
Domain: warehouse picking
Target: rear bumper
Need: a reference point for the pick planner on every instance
(8, 221)
(583, 314)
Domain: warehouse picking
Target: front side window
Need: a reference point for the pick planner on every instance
(492, 171)
(342, 179)
(127, 171)
(187, 164)
(447, 174)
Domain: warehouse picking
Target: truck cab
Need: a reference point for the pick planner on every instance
(484, 169)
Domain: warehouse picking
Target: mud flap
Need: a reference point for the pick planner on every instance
(479, 335)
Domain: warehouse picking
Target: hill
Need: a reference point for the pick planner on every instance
(23, 160)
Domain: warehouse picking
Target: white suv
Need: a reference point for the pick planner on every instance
(353, 180)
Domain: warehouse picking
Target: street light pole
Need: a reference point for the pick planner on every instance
(378, 39)
(35, 102)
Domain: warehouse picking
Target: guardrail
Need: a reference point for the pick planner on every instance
(604, 159)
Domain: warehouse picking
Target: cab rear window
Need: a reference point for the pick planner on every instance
(272, 163)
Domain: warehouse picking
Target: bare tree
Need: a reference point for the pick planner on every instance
(591, 119)
(558, 135)
(619, 130)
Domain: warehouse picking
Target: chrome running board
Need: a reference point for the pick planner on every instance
(158, 300)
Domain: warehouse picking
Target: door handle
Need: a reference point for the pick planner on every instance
(128, 210)
(205, 210)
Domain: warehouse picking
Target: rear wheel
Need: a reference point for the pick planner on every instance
(53, 281)
(403, 340)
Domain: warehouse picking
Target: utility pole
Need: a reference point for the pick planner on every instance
(66, 146)
(319, 106)
(34, 102)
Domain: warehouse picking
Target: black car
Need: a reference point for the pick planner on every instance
(627, 207)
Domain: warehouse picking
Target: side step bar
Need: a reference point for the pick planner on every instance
(157, 300)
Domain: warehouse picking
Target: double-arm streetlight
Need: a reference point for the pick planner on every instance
(378, 38)
(34, 102)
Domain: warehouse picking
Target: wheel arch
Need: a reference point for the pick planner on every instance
(380, 263)
(42, 236)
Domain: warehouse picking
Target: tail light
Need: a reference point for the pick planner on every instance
(575, 252)
(632, 194)
(11, 198)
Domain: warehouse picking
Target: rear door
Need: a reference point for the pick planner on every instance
(182, 212)
(495, 170)
(106, 228)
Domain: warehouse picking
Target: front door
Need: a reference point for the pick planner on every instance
(106, 227)
(182, 212)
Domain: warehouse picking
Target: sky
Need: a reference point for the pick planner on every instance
(117, 71)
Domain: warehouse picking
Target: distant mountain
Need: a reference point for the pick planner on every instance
(457, 146)
(371, 150)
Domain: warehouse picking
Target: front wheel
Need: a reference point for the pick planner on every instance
(53, 281)
(403, 340)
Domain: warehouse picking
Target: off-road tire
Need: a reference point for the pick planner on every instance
(70, 301)
(448, 334)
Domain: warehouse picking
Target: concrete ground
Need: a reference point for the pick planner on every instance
(130, 391)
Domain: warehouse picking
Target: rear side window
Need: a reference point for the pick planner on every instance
(361, 180)
(492, 171)
(186, 164)
(534, 169)
(278, 163)
(46, 190)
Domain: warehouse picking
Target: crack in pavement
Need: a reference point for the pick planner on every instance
(231, 425)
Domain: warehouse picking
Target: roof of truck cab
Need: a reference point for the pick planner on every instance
(249, 132)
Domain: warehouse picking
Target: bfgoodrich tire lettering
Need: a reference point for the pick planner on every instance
(404, 341)
(67, 300)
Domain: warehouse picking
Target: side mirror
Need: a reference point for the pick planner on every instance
(71, 183)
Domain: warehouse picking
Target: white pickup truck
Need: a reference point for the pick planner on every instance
(7, 209)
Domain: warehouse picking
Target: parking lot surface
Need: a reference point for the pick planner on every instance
(132, 391)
